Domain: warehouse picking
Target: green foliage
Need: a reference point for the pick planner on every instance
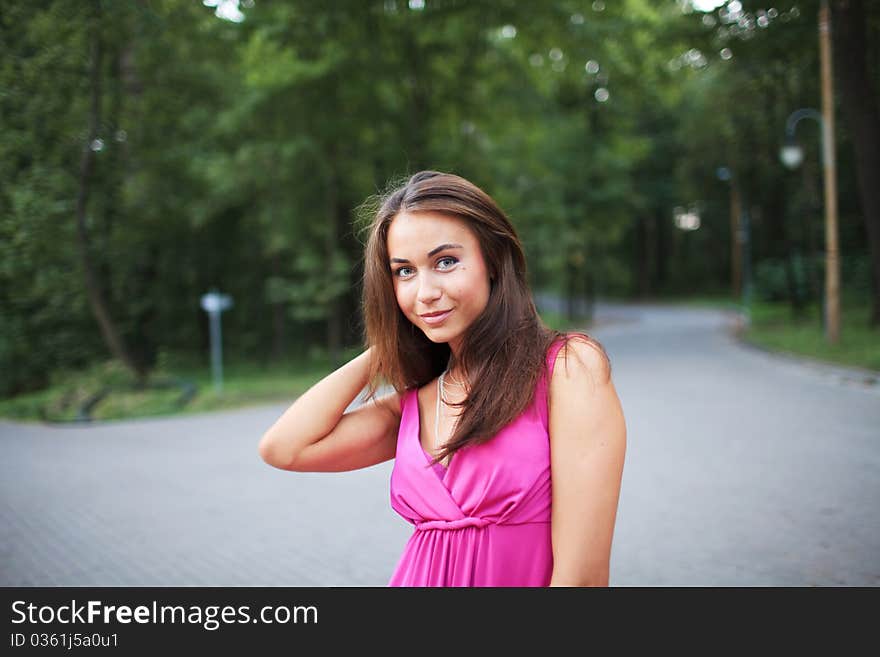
(774, 279)
(778, 280)
(109, 391)
(234, 155)
(773, 327)
(316, 283)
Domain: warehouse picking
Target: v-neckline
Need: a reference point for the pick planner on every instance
(418, 432)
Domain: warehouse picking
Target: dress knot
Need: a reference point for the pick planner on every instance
(452, 524)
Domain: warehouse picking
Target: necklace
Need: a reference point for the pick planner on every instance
(440, 390)
(459, 384)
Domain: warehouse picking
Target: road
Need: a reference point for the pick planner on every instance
(742, 469)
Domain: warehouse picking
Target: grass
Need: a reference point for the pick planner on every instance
(773, 327)
(719, 301)
(560, 322)
(244, 384)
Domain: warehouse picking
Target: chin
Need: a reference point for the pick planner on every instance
(434, 337)
(439, 336)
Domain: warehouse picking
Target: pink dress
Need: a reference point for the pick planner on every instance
(484, 520)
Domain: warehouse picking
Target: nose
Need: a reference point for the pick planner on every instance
(429, 290)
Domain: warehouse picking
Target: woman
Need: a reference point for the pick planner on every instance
(508, 437)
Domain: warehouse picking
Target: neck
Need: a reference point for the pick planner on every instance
(454, 377)
(455, 381)
(455, 348)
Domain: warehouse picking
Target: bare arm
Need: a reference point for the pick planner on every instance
(316, 435)
(587, 449)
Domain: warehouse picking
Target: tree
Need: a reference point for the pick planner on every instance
(851, 27)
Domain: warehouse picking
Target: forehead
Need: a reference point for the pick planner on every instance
(416, 233)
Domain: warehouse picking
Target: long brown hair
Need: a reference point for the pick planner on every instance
(504, 351)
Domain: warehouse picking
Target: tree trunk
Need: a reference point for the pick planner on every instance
(661, 246)
(109, 332)
(570, 282)
(643, 269)
(336, 215)
(588, 276)
(418, 82)
(736, 231)
(814, 209)
(775, 209)
(278, 309)
(860, 108)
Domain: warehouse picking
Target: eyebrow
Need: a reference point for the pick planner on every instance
(432, 252)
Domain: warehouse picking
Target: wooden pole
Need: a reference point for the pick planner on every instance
(832, 259)
(736, 240)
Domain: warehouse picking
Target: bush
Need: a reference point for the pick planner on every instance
(771, 284)
(771, 279)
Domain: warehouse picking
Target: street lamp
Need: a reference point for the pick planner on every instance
(792, 155)
(215, 303)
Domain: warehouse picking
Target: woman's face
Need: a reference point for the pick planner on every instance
(437, 268)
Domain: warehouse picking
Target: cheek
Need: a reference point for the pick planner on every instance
(403, 297)
(475, 285)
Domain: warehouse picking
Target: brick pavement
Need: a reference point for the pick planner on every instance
(742, 469)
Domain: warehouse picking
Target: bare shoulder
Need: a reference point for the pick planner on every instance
(581, 361)
(583, 401)
(587, 432)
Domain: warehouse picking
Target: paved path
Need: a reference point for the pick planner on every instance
(742, 469)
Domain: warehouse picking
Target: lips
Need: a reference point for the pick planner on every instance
(437, 317)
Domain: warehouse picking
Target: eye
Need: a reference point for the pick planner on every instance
(450, 260)
(401, 272)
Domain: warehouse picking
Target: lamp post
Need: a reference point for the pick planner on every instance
(215, 303)
(792, 155)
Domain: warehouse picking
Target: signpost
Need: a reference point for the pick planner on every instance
(215, 303)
